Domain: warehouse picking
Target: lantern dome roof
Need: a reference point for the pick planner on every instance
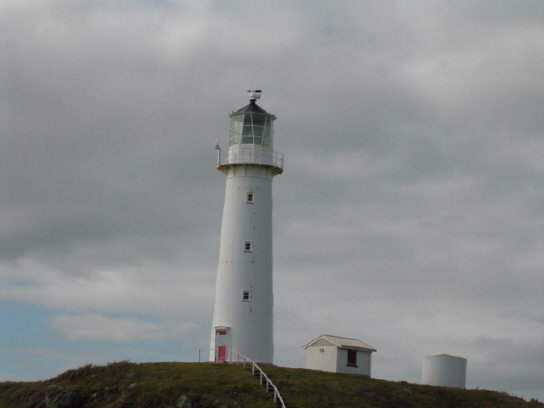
(251, 108)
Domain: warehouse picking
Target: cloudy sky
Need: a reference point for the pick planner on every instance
(409, 215)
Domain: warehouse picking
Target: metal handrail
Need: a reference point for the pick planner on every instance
(246, 155)
(254, 365)
(210, 349)
(268, 382)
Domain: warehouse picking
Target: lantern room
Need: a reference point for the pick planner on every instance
(251, 125)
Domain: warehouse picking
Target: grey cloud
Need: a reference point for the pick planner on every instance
(412, 137)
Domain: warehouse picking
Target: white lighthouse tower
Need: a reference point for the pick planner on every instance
(242, 319)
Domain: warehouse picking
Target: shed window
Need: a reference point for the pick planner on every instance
(352, 358)
(248, 246)
(250, 198)
(246, 296)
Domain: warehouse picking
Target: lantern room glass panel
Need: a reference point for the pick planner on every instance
(251, 128)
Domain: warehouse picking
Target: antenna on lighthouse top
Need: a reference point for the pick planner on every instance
(254, 95)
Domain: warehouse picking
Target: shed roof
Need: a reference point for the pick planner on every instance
(340, 342)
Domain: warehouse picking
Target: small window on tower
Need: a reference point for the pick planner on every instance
(352, 358)
(250, 198)
(246, 296)
(248, 246)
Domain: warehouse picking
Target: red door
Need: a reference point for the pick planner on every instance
(221, 354)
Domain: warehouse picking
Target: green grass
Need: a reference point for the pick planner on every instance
(317, 389)
(158, 385)
(209, 385)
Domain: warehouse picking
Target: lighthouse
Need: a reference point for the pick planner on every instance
(243, 315)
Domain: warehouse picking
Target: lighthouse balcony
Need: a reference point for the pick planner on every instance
(251, 155)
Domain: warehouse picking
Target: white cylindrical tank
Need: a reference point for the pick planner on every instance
(444, 370)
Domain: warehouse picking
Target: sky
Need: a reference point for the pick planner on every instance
(410, 214)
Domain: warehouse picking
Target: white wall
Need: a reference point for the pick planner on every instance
(363, 363)
(321, 360)
(250, 323)
(444, 370)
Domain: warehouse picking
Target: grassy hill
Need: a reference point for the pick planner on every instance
(160, 385)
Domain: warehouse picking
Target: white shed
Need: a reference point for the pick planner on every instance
(338, 355)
